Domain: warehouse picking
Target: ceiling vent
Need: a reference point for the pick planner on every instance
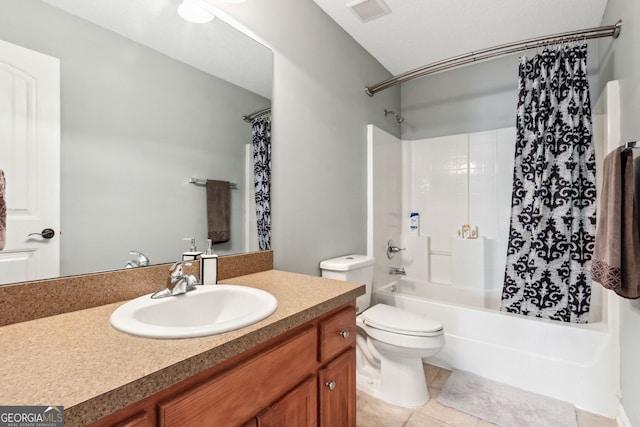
(367, 10)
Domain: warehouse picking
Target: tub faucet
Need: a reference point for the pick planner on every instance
(397, 270)
(178, 282)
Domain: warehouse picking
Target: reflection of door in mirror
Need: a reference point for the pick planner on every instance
(30, 159)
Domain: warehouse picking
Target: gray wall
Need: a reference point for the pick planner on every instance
(136, 125)
(469, 99)
(620, 60)
(320, 113)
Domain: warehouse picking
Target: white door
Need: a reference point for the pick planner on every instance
(30, 159)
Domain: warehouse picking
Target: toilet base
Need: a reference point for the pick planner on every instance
(400, 382)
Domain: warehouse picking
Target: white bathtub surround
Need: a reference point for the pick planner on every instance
(575, 363)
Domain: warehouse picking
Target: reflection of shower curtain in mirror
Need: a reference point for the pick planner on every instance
(261, 140)
(551, 237)
(3, 211)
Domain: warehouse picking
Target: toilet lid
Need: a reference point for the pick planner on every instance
(398, 320)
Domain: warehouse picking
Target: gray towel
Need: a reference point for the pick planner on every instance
(3, 210)
(218, 211)
(615, 262)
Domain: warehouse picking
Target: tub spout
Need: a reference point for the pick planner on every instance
(397, 270)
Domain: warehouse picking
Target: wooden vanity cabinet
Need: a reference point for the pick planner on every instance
(304, 377)
(337, 377)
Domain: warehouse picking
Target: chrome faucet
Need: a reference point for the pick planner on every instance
(140, 260)
(392, 249)
(178, 282)
(397, 270)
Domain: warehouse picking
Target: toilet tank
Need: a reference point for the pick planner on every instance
(352, 268)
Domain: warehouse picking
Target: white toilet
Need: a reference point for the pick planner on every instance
(391, 341)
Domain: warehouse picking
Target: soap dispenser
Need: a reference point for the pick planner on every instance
(208, 266)
(192, 254)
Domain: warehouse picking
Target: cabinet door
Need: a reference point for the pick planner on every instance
(232, 398)
(298, 408)
(338, 391)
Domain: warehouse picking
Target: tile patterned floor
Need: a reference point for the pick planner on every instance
(372, 412)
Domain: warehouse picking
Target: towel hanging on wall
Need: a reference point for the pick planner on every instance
(617, 249)
(3, 210)
(218, 211)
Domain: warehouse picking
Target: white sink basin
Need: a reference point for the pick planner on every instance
(207, 310)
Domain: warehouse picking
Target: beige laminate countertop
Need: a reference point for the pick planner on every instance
(78, 360)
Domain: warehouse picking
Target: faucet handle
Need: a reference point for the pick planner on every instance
(178, 265)
(392, 249)
(141, 258)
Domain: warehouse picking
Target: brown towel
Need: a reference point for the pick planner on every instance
(219, 211)
(3, 211)
(616, 258)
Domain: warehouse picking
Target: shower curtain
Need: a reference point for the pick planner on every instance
(551, 237)
(261, 140)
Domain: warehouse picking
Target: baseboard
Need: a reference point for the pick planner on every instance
(621, 418)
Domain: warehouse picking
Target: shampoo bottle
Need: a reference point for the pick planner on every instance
(414, 223)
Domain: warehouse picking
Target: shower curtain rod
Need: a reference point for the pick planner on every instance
(250, 117)
(492, 52)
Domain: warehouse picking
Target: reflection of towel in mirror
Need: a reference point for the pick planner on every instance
(3, 210)
(617, 248)
(218, 211)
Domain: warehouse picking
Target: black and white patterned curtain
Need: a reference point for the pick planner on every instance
(553, 208)
(261, 139)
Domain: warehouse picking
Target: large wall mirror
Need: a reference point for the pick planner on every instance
(147, 101)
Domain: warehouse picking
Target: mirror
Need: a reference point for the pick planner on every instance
(147, 102)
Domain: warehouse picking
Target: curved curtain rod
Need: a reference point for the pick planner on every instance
(249, 117)
(492, 52)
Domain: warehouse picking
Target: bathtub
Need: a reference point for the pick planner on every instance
(571, 362)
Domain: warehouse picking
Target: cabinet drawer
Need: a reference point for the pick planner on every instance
(138, 420)
(337, 333)
(233, 397)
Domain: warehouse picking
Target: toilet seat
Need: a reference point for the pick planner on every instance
(399, 321)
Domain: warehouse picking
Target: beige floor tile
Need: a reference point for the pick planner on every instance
(430, 372)
(418, 419)
(372, 412)
(483, 423)
(587, 419)
(434, 392)
(447, 415)
(441, 377)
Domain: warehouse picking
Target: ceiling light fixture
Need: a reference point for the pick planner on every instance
(192, 12)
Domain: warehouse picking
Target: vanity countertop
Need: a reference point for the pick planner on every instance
(79, 361)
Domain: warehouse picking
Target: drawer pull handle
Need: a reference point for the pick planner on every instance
(344, 334)
(331, 385)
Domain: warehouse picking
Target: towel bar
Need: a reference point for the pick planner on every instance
(199, 181)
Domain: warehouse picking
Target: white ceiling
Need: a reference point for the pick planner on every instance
(415, 33)
(214, 47)
(419, 32)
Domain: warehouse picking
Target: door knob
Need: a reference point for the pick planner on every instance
(344, 334)
(47, 233)
(331, 385)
